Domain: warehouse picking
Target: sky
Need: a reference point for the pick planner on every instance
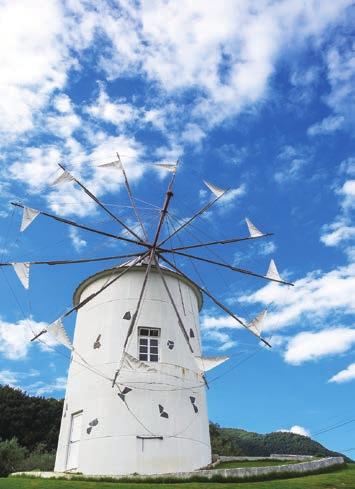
(257, 97)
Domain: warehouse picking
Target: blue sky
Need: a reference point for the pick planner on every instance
(253, 96)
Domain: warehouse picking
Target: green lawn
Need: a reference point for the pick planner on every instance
(253, 463)
(341, 479)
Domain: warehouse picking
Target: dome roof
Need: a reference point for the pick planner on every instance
(109, 271)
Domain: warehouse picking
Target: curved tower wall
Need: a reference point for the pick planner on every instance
(161, 425)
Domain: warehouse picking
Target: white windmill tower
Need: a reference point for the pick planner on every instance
(135, 400)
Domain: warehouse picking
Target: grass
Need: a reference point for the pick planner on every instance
(343, 478)
(253, 463)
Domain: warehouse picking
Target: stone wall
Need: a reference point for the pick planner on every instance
(241, 473)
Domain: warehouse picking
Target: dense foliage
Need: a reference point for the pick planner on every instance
(14, 458)
(32, 420)
(233, 441)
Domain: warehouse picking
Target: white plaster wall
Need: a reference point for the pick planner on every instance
(112, 447)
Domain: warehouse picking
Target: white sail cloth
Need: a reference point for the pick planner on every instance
(218, 192)
(205, 364)
(256, 325)
(22, 270)
(112, 164)
(273, 272)
(64, 177)
(28, 215)
(167, 166)
(253, 230)
(57, 330)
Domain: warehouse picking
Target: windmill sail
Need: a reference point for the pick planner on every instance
(253, 230)
(112, 164)
(273, 272)
(64, 177)
(28, 216)
(256, 324)
(218, 192)
(167, 166)
(23, 272)
(57, 330)
(208, 363)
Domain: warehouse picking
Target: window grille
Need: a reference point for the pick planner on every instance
(148, 344)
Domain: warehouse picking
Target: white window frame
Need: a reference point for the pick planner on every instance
(149, 344)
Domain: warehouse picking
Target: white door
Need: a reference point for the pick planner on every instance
(74, 441)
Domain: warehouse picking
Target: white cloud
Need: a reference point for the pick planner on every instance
(348, 195)
(63, 104)
(267, 248)
(316, 296)
(220, 337)
(40, 388)
(326, 126)
(15, 338)
(218, 322)
(227, 53)
(117, 113)
(77, 242)
(34, 60)
(306, 346)
(337, 232)
(8, 377)
(342, 231)
(297, 430)
(291, 161)
(344, 375)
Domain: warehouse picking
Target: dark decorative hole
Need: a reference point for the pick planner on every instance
(193, 400)
(192, 334)
(94, 422)
(163, 414)
(88, 430)
(127, 315)
(122, 394)
(170, 344)
(97, 343)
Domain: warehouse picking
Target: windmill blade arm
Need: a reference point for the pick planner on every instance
(70, 262)
(82, 226)
(189, 221)
(131, 198)
(222, 242)
(99, 203)
(110, 282)
(180, 322)
(216, 301)
(225, 265)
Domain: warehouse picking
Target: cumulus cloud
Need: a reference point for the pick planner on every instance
(115, 112)
(312, 345)
(15, 338)
(345, 375)
(297, 430)
(77, 242)
(326, 126)
(34, 62)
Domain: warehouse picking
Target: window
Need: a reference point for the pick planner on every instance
(148, 344)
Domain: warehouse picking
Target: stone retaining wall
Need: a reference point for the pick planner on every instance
(241, 473)
(274, 456)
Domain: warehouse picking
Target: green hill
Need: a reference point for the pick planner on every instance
(234, 441)
(36, 420)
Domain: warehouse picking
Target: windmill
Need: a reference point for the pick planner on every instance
(136, 393)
